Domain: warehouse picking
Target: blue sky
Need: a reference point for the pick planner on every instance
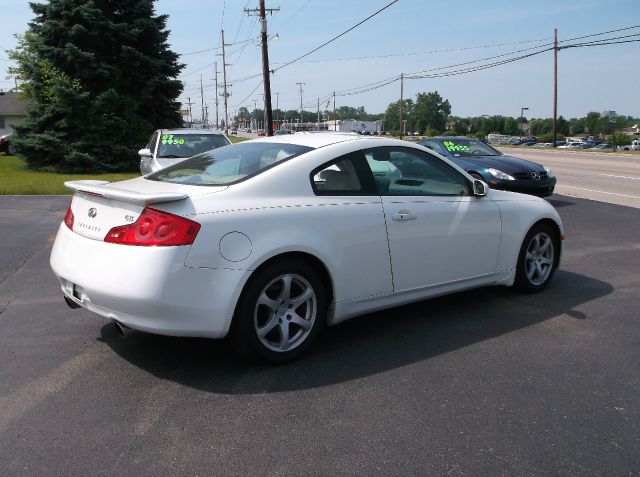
(410, 36)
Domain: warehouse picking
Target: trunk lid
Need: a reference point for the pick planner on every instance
(98, 206)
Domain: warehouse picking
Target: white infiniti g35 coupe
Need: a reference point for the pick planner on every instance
(269, 240)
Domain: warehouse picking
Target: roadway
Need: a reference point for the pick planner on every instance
(605, 177)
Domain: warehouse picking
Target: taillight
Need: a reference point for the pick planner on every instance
(68, 217)
(155, 227)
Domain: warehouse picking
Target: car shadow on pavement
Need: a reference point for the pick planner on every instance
(557, 203)
(364, 346)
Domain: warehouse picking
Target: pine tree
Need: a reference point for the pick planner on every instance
(100, 77)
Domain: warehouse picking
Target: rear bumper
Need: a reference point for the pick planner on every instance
(146, 288)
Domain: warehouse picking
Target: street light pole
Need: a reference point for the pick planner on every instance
(522, 110)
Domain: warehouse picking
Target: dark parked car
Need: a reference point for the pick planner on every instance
(4, 142)
(491, 166)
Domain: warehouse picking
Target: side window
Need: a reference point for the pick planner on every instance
(404, 171)
(151, 145)
(342, 176)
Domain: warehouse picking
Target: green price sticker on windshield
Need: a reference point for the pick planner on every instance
(451, 147)
(169, 139)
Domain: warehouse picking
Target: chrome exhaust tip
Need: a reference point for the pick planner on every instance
(121, 329)
(70, 303)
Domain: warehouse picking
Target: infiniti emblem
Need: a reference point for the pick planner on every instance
(92, 212)
(535, 175)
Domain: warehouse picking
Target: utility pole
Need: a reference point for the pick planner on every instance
(300, 85)
(401, 100)
(264, 113)
(206, 116)
(555, 84)
(277, 111)
(226, 94)
(216, 78)
(255, 112)
(266, 80)
(318, 114)
(202, 100)
(189, 103)
(522, 110)
(335, 119)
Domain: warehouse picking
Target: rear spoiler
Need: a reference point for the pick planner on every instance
(103, 189)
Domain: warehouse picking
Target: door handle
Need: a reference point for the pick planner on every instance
(403, 215)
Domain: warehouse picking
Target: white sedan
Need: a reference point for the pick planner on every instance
(269, 240)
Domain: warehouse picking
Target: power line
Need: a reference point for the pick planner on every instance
(249, 95)
(304, 5)
(599, 34)
(545, 48)
(336, 37)
(482, 59)
(428, 52)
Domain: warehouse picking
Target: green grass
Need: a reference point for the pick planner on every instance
(16, 179)
(237, 139)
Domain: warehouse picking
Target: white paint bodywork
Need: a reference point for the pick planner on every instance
(373, 261)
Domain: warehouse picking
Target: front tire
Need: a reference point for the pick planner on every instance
(538, 259)
(280, 313)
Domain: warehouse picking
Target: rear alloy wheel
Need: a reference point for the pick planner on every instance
(281, 312)
(537, 260)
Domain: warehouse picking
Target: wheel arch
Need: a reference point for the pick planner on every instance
(553, 225)
(318, 265)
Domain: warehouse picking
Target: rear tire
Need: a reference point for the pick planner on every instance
(281, 312)
(538, 259)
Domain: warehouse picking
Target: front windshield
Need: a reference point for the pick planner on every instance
(228, 164)
(188, 145)
(461, 147)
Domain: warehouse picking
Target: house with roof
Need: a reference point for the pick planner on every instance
(12, 111)
(630, 131)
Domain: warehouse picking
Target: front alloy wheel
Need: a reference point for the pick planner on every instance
(537, 260)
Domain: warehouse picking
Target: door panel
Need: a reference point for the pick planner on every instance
(438, 231)
(441, 239)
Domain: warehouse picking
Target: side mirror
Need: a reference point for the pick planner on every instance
(145, 153)
(479, 188)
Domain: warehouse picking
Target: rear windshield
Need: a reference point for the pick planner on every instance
(173, 146)
(229, 164)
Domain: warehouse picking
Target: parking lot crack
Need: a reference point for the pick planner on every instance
(22, 264)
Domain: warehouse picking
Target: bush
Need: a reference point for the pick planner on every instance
(621, 139)
(431, 132)
(549, 137)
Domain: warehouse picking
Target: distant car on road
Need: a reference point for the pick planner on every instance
(281, 132)
(168, 146)
(602, 147)
(261, 132)
(491, 166)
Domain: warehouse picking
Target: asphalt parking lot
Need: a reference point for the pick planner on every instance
(487, 382)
